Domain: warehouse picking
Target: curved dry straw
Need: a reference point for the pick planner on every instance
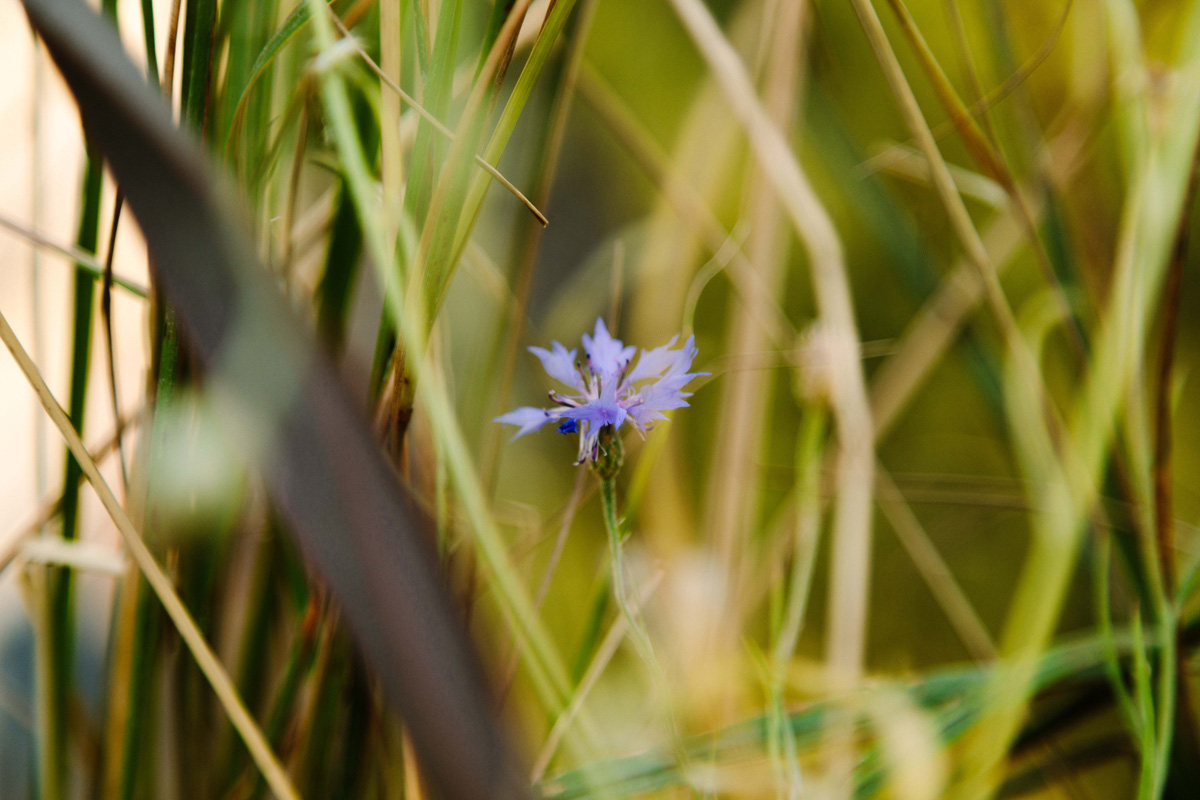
(217, 677)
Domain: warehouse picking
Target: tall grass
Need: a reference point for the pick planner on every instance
(936, 258)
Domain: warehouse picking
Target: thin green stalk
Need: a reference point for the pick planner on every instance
(1158, 177)
(541, 656)
(545, 168)
(109, 349)
(611, 458)
(608, 498)
(1167, 696)
(444, 263)
(810, 449)
(50, 777)
(1144, 703)
(138, 747)
(424, 171)
(148, 37)
(84, 261)
(606, 467)
(159, 581)
(810, 452)
(196, 564)
(54, 742)
(59, 582)
(199, 31)
(1103, 614)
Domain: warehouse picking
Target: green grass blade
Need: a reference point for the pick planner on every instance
(500, 11)
(954, 695)
(60, 584)
(541, 657)
(449, 244)
(345, 246)
(318, 458)
(199, 32)
(428, 150)
(148, 35)
(249, 27)
(295, 21)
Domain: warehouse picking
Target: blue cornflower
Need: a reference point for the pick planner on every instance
(607, 392)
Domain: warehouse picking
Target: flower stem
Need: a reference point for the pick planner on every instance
(608, 497)
(637, 633)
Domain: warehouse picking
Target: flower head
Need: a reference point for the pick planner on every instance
(607, 388)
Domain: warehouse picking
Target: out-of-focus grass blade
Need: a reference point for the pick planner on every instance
(989, 159)
(500, 12)
(539, 652)
(954, 695)
(83, 260)
(148, 34)
(200, 26)
(290, 27)
(428, 148)
(1159, 160)
(60, 650)
(155, 575)
(425, 287)
(322, 467)
(341, 266)
(250, 26)
(421, 36)
(345, 247)
(523, 259)
(425, 166)
(449, 243)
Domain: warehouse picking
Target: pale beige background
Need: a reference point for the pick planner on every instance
(33, 97)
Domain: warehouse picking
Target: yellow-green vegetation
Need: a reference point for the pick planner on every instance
(883, 482)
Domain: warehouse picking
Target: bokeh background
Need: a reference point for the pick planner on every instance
(663, 222)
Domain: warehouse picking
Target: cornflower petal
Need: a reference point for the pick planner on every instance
(606, 356)
(656, 399)
(560, 365)
(682, 359)
(606, 393)
(665, 393)
(527, 418)
(653, 363)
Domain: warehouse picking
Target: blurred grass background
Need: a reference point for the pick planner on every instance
(662, 219)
